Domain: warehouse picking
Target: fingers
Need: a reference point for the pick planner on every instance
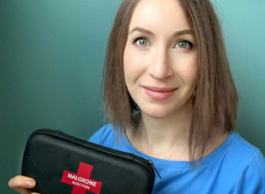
(21, 184)
(21, 181)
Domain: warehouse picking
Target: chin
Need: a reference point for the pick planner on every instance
(157, 113)
(161, 111)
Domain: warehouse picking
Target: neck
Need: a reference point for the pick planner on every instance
(155, 135)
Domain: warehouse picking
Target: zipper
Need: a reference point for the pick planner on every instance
(153, 166)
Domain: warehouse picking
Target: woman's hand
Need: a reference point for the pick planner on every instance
(21, 184)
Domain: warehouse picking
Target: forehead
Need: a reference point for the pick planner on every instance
(157, 14)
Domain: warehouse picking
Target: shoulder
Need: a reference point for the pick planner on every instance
(104, 136)
(252, 177)
(240, 147)
(251, 165)
(244, 151)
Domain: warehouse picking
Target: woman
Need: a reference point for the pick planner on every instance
(170, 96)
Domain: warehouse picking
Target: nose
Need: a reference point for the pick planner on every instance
(161, 67)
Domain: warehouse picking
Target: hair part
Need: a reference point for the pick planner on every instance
(216, 100)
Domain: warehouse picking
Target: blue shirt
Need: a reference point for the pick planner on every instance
(235, 167)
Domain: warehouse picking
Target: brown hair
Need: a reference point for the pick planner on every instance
(215, 104)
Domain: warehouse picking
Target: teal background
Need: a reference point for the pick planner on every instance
(51, 59)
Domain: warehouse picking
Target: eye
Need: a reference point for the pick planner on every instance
(184, 45)
(141, 42)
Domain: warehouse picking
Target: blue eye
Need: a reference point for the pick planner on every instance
(141, 42)
(183, 45)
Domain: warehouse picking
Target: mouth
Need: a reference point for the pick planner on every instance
(156, 89)
(159, 94)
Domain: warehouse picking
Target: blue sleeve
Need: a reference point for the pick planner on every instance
(104, 136)
(252, 179)
(96, 137)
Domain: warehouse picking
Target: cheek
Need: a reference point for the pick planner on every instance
(132, 64)
(127, 61)
(188, 72)
(128, 64)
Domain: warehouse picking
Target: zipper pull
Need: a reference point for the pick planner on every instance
(153, 166)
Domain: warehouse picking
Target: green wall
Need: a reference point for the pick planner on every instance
(244, 27)
(51, 59)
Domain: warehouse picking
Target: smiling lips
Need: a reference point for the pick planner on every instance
(159, 93)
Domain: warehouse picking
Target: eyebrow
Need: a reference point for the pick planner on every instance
(145, 31)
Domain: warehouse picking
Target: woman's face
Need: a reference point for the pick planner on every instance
(160, 58)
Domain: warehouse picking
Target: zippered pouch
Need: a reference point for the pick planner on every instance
(63, 164)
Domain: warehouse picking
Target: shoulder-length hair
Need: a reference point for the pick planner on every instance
(215, 104)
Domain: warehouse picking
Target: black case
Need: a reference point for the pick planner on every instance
(62, 164)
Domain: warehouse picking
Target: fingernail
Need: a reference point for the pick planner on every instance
(29, 183)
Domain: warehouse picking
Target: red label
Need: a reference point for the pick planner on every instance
(81, 181)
